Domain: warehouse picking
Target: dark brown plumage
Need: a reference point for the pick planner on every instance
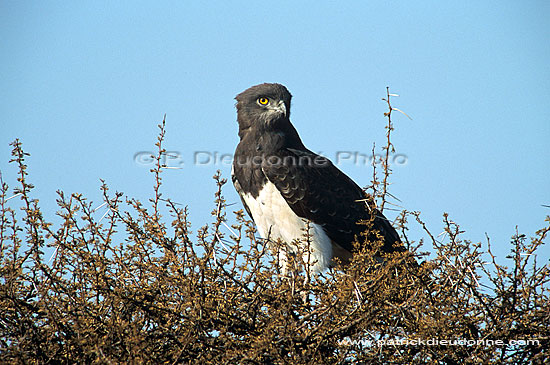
(272, 159)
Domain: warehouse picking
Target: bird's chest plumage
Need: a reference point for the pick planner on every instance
(270, 211)
(272, 215)
(276, 220)
(249, 156)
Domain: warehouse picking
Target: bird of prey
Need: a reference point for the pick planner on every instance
(283, 186)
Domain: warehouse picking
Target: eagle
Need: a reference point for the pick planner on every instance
(287, 189)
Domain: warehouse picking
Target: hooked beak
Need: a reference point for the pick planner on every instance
(280, 108)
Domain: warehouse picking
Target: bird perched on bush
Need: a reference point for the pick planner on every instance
(286, 188)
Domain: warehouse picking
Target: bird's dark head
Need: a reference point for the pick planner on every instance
(264, 103)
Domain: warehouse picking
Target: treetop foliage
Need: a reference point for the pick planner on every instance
(160, 294)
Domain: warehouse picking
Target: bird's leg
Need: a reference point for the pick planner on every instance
(282, 259)
(280, 251)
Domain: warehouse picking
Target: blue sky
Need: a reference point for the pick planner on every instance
(85, 84)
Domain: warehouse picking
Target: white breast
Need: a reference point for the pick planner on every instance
(275, 219)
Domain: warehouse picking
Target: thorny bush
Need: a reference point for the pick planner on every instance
(158, 294)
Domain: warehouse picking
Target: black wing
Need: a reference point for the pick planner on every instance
(317, 190)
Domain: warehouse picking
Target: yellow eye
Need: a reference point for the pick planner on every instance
(263, 101)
